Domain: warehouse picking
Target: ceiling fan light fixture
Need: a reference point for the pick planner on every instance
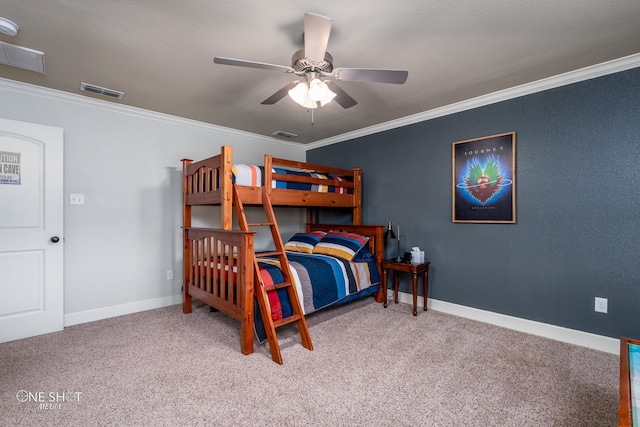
(317, 89)
(300, 94)
(327, 97)
(309, 95)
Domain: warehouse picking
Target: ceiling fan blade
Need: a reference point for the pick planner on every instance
(342, 97)
(371, 75)
(316, 36)
(252, 64)
(280, 94)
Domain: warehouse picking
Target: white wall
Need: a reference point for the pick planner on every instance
(126, 162)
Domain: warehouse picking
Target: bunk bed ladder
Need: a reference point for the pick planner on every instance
(261, 289)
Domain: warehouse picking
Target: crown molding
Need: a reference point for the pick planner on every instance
(587, 73)
(58, 95)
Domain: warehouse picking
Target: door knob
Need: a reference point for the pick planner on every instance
(55, 239)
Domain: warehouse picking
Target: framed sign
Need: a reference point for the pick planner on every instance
(483, 173)
(9, 168)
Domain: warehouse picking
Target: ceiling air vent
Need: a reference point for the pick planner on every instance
(22, 57)
(86, 87)
(284, 134)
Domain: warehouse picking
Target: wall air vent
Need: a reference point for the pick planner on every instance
(111, 93)
(21, 57)
(284, 134)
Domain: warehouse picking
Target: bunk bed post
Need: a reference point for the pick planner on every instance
(245, 284)
(379, 253)
(357, 196)
(226, 170)
(266, 179)
(311, 218)
(186, 223)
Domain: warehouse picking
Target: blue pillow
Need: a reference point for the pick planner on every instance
(364, 255)
(304, 242)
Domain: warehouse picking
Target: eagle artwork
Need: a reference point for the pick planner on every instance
(483, 181)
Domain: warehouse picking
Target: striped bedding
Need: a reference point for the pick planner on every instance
(321, 281)
(251, 175)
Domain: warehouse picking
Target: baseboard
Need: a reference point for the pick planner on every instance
(571, 336)
(120, 310)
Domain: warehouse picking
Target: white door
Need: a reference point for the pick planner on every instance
(31, 230)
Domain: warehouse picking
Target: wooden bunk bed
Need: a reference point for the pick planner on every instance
(219, 267)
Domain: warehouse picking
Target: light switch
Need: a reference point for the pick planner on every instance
(76, 199)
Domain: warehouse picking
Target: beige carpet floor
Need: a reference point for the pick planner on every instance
(371, 367)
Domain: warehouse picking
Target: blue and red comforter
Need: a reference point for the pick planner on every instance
(321, 281)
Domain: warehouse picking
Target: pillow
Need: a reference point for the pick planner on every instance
(364, 255)
(304, 242)
(342, 245)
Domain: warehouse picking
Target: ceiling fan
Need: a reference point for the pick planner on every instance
(315, 67)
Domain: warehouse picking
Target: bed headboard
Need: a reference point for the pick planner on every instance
(375, 233)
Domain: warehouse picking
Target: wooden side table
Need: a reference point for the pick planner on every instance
(403, 267)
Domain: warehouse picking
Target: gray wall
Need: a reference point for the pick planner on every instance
(577, 234)
(126, 161)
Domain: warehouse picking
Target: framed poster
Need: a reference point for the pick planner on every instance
(483, 173)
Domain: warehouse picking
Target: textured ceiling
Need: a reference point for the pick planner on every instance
(160, 52)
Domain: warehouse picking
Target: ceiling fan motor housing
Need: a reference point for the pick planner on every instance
(302, 65)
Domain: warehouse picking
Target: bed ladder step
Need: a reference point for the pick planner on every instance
(276, 286)
(268, 254)
(286, 321)
(261, 289)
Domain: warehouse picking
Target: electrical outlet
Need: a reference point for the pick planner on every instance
(601, 305)
(169, 274)
(76, 199)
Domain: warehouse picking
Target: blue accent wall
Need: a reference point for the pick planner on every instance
(577, 234)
